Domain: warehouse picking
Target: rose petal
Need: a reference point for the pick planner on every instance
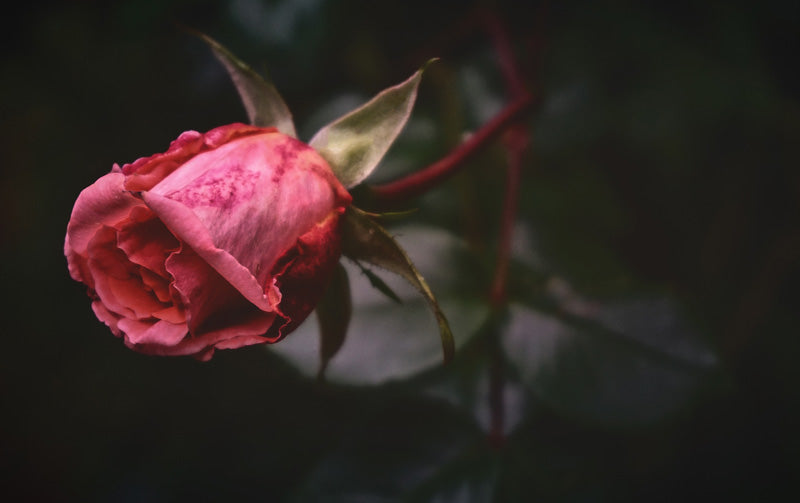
(146, 240)
(250, 204)
(146, 172)
(172, 314)
(132, 294)
(102, 203)
(241, 341)
(105, 202)
(203, 347)
(107, 317)
(116, 280)
(214, 305)
(157, 284)
(310, 264)
(183, 223)
(162, 333)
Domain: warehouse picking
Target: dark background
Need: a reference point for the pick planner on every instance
(671, 129)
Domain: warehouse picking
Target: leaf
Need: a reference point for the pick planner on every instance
(261, 100)
(333, 313)
(354, 144)
(378, 283)
(629, 363)
(408, 449)
(363, 239)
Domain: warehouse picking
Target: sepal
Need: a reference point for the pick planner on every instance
(355, 143)
(263, 103)
(333, 314)
(364, 240)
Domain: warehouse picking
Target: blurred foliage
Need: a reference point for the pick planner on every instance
(650, 349)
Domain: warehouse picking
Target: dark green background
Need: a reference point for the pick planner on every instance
(679, 156)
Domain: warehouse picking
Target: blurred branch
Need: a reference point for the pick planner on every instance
(517, 141)
(522, 99)
(778, 262)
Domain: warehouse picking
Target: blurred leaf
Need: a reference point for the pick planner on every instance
(355, 143)
(626, 363)
(333, 314)
(363, 239)
(435, 454)
(389, 342)
(466, 383)
(261, 100)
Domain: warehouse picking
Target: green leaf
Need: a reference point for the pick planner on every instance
(354, 144)
(378, 283)
(333, 313)
(631, 362)
(261, 100)
(363, 239)
(409, 449)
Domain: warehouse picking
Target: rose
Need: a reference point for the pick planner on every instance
(225, 240)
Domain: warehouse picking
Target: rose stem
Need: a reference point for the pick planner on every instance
(421, 181)
(516, 141)
(517, 144)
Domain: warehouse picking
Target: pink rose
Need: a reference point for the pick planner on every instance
(225, 240)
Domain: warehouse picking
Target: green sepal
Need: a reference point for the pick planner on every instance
(364, 240)
(378, 284)
(333, 314)
(264, 106)
(391, 215)
(355, 143)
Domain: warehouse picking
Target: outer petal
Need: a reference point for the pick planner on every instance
(107, 317)
(162, 333)
(201, 347)
(244, 204)
(105, 202)
(215, 308)
(185, 224)
(146, 172)
(308, 269)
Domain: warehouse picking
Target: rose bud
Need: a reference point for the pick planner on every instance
(225, 240)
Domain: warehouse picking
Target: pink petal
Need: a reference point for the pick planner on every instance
(116, 281)
(107, 317)
(102, 203)
(146, 240)
(309, 265)
(183, 223)
(214, 306)
(202, 347)
(172, 314)
(105, 202)
(146, 172)
(162, 333)
(248, 200)
(241, 341)
(157, 284)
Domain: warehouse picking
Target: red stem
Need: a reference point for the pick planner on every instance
(517, 143)
(505, 55)
(421, 181)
